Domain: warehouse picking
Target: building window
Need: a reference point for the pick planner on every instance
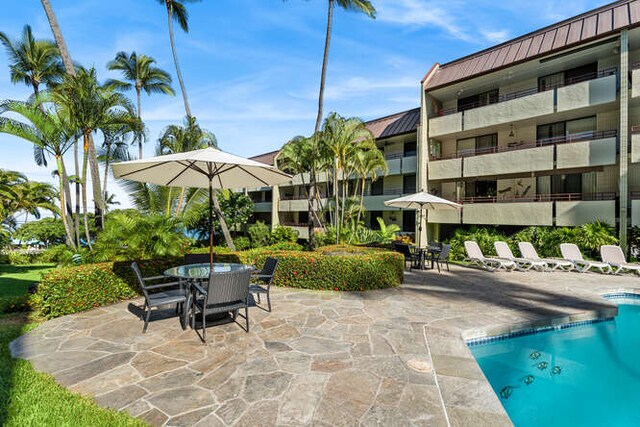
(481, 188)
(563, 129)
(479, 100)
(409, 221)
(478, 145)
(567, 77)
(373, 222)
(410, 149)
(303, 217)
(409, 184)
(564, 184)
(377, 187)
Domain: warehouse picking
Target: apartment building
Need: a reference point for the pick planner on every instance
(543, 129)
(396, 136)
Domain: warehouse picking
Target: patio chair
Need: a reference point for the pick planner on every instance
(476, 257)
(261, 280)
(504, 251)
(153, 297)
(196, 259)
(224, 293)
(529, 252)
(411, 256)
(613, 255)
(572, 253)
(442, 257)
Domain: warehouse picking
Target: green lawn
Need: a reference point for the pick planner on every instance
(16, 279)
(31, 398)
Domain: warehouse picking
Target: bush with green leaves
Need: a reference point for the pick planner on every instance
(242, 243)
(259, 234)
(281, 233)
(133, 236)
(67, 290)
(49, 231)
(485, 236)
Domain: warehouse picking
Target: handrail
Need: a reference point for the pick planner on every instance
(532, 91)
(558, 197)
(577, 137)
(399, 156)
(388, 192)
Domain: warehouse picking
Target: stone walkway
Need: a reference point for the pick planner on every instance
(393, 358)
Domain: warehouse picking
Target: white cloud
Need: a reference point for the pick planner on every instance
(495, 36)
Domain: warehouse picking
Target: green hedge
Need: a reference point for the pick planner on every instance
(67, 290)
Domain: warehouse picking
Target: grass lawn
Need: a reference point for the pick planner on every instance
(31, 398)
(16, 279)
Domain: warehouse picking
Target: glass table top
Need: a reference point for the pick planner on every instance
(201, 271)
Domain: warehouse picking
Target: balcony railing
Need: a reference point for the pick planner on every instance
(397, 156)
(533, 91)
(577, 137)
(389, 192)
(558, 197)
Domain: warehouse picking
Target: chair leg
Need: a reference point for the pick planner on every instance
(268, 302)
(447, 261)
(258, 295)
(146, 319)
(204, 327)
(438, 264)
(246, 316)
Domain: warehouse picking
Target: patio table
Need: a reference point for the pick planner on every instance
(428, 252)
(200, 272)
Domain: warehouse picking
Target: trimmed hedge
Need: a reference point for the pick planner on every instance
(67, 290)
(73, 289)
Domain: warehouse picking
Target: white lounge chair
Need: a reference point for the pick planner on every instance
(504, 251)
(529, 252)
(476, 257)
(572, 253)
(613, 255)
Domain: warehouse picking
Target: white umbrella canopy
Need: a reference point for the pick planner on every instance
(196, 169)
(206, 168)
(422, 201)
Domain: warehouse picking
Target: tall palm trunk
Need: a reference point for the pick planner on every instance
(85, 207)
(325, 61)
(63, 213)
(336, 196)
(57, 35)
(106, 173)
(225, 230)
(175, 60)
(364, 182)
(98, 201)
(76, 219)
(139, 119)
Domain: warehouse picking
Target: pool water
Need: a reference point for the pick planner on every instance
(582, 376)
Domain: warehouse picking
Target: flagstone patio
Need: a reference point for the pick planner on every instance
(394, 357)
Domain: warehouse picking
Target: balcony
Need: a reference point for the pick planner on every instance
(635, 80)
(399, 164)
(375, 202)
(577, 150)
(571, 209)
(579, 92)
(635, 144)
(262, 207)
(635, 209)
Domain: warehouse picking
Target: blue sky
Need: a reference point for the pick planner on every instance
(252, 66)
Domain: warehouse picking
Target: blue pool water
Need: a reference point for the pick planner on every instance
(582, 376)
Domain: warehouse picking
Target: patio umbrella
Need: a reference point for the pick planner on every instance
(206, 168)
(422, 201)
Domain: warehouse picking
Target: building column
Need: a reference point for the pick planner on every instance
(624, 138)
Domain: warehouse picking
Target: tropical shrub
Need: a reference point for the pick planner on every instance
(21, 257)
(134, 236)
(485, 236)
(281, 233)
(283, 246)
(259, 234)
(47, 230)
(242, 243)
(16, 304)
(69, 290)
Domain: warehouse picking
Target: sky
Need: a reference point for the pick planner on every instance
(252, 67)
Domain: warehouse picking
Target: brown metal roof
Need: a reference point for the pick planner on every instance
(589, 26)
(384, 127)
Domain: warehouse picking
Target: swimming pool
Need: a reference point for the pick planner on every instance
(587, 375)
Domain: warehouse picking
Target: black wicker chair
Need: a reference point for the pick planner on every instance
(224, 293)
(154, 297)
(196, 259)
(261, 280)
(410, 256)
(442, 257)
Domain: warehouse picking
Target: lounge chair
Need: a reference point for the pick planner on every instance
(529, 252)
(572, 253)
(476, 257)
(613, 255)
(504, 251)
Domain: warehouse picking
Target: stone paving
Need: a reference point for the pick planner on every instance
(395, 357)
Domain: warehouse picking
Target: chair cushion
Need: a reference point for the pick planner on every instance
(168, 297)
(257, 288)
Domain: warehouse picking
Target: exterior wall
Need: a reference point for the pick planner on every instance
(534, 213)
(586, 94)
(532, 159)
(448, 216)
(598, 152)
(635, 147)
(527, 107)
(635, 213)
(635, 83)
(376, 203)
(262, 207)
(581, 212)
(445, 125)
(293, 206)
(445, 169)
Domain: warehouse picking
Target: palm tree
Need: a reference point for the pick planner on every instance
(33, 196)
(57, 35)
(114, 147)
(92, 107)
(176, 11)
(49, 129)
(368, 163)
(139, 74)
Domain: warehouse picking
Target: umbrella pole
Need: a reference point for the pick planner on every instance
(419, 239)
(210, 223)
